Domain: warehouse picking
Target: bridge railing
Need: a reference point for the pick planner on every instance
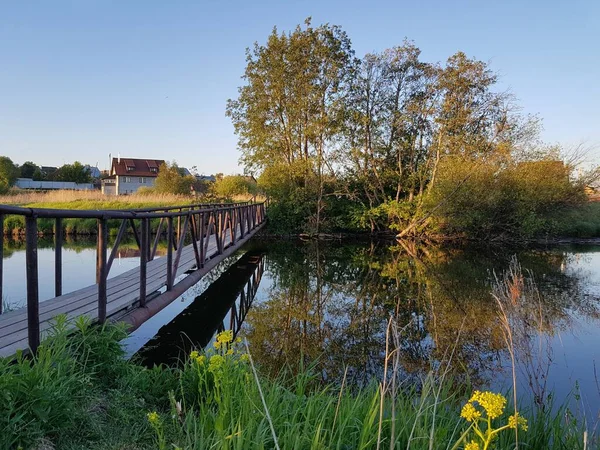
(198, 223)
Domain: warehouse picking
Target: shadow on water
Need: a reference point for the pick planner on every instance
(223, 305)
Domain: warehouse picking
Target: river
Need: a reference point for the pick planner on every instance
(330, 304)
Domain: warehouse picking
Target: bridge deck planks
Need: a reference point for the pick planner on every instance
(122, 294)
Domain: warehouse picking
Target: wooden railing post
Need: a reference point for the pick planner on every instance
(33, 299)
(1, 262)
(101, 272)
(169, 253)
(202, 252)
(145, 240)
(58, 241)
(149, 240)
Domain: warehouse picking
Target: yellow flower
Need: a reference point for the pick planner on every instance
(244, 357)
(470, 413)
(194, 355)
(225, 337)
(492, 403)
(472, 446)
(153, 418)
(200, 359)
(215, 363)
(516, 420)
(229, 352)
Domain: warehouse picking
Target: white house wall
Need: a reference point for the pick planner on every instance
(129, 185)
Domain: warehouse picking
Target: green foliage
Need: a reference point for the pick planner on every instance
(232, 185)
(320, 125)
(75, 172)
(8, 174)
(488, 200)
(172, 180)
(27, 169)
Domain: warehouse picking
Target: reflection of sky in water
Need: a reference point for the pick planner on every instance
(575, 350)
(79, 271)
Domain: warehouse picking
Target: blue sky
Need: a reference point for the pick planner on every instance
(82, 79)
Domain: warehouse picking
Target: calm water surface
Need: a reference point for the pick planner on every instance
(330, 304)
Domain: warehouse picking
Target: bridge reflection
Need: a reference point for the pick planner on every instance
(222, 306)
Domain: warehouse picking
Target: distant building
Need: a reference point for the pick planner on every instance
(127, 175)
(28, 183)
(93, 171)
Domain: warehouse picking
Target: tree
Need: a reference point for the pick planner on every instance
(27, 169)
(345, 143)
(76, 173)
(171, 179)
(233, 185)
(288, 113)
(8, 173)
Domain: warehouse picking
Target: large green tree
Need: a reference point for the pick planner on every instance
(287, 114)
(75, 172)
(340, 142)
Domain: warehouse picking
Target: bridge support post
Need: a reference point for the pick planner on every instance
(101, 269)
(169, 253)
(58, 241)
(145, 241)
(1, 261)
(33, 298)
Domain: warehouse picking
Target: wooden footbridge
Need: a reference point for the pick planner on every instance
(198, 237)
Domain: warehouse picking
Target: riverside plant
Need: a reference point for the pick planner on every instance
(79, 393)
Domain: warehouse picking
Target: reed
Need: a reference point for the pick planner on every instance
(81, 199)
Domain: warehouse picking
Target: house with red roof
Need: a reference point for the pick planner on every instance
(127, 175)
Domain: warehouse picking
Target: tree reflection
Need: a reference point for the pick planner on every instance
(329, 304)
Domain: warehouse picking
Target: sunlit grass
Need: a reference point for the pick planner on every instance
(68, 199)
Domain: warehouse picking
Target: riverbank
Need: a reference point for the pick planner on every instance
(80, 393)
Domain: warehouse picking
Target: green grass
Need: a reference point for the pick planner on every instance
(79, 393)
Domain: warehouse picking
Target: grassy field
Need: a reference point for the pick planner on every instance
(87, 200)
(91, 200)
(79, 393)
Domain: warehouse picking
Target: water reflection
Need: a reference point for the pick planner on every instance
(223, 305)
(79, 265)
(329, 305)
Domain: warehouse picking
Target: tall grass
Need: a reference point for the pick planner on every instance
(79, 199)
(79, 393)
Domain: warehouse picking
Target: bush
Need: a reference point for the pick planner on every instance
(488, 200)
(234, 185)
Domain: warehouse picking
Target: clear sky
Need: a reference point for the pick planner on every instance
(81, 79)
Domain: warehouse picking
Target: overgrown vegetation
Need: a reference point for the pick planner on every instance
(390, 142)
(79, 393)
